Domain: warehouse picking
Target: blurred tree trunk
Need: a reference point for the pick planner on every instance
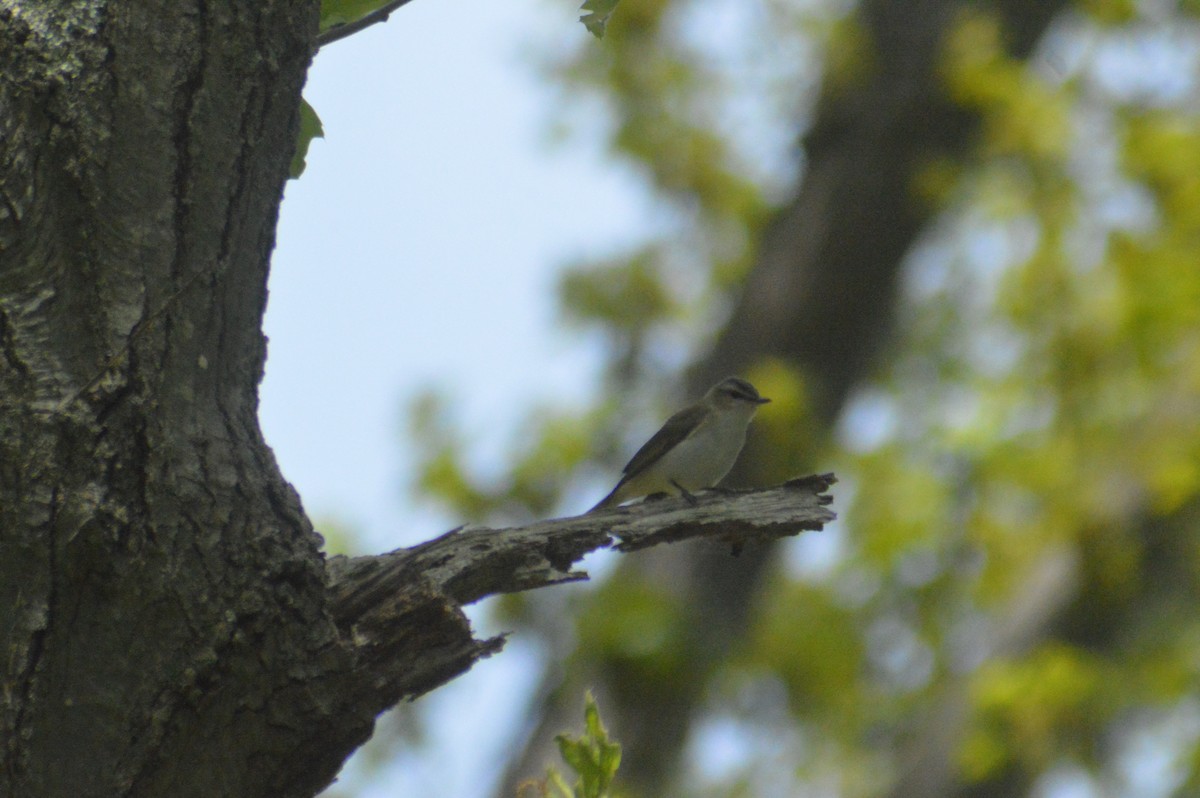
(821, 296)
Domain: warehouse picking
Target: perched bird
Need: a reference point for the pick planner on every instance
(695, 448)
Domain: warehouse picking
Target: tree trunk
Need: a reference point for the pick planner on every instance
(155, 568)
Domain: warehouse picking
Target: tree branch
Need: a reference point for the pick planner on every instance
(349, 29)
(402, 611)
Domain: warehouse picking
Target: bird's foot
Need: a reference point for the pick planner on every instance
(685, 493)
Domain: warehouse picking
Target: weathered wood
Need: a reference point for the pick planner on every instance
(402, 610)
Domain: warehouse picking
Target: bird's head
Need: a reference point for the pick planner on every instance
(734, 392)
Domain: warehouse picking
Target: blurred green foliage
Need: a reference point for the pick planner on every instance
(1030, 443)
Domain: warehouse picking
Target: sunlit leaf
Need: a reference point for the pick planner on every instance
(596, 18)
(343, 12)
(594, 756)
(310, 128)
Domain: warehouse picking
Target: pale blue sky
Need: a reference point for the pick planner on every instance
(421, 247)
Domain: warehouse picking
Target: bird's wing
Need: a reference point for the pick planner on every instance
(677, 428)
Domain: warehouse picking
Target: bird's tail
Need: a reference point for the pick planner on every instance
(611, 500)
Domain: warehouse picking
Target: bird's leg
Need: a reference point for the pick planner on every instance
(687, 496)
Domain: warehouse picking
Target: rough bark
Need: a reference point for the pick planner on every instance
(161, 610)
(402, 611)
(167, 623)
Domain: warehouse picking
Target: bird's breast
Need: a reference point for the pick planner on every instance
(705, 457)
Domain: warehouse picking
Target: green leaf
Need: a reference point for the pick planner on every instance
(596, 20)
(310, 128)
(343, 12)
(561, 788)
(594, 757)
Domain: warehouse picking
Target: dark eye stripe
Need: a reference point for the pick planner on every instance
(743, 390)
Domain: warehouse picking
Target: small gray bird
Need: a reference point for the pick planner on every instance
(695, 448)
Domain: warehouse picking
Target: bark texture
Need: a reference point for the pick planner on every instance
(161, 608)
(402, 611)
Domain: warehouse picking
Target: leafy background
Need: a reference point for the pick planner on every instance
(1008, 606)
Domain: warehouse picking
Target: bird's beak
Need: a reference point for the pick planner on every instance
(762, 400)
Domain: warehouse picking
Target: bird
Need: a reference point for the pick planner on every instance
(695, 448)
